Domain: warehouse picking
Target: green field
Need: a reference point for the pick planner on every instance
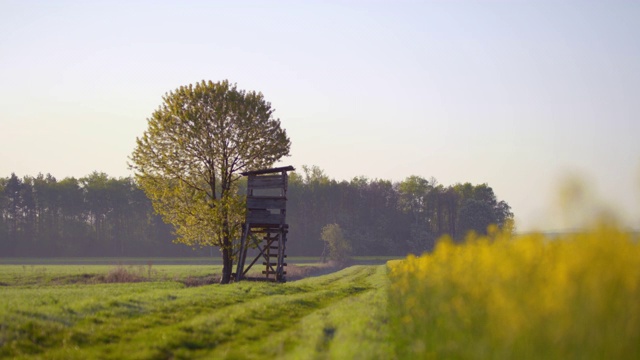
(574, 296)
(64, 312)
(213, 260)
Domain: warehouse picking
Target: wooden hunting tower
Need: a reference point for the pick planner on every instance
(264, 233)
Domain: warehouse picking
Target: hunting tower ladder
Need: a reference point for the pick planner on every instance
(264, 233)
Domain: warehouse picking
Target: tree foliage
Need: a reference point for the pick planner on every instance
(189, 159)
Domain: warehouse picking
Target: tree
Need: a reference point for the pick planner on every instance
(476, 215)
(4, 231)
(189, 159)
(338, 247)
(480, 208)
(415, 193)
(13, 212)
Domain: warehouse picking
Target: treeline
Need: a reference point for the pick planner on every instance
(98, 215)
(381, 217)
(92, 216)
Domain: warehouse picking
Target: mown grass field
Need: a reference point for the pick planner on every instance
(47, 315)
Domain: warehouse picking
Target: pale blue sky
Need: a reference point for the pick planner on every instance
(517, 94)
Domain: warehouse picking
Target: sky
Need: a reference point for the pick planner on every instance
(520, 95)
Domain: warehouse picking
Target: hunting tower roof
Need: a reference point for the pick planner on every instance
(268, 171)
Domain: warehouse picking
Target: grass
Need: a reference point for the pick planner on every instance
(215, 260)
(49, 275)
(315, 317)
(501, 297)
(111, 261)
(531, 297)
(190, 275)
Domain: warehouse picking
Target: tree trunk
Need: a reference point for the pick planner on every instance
(227, 256)
(227, 265)
(227, 249)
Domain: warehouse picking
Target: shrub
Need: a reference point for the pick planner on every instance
(338, 246)
(121, 274)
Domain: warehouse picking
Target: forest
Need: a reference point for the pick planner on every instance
(99, 215)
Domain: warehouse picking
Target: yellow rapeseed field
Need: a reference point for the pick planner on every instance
(498, 296)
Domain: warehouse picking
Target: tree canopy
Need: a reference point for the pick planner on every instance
(189, 159)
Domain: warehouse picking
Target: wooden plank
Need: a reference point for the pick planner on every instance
(266, 202)
(256, 218)
(269, 171)
(266, 228)
(258, 212)
(266, 182)
(271, 236)
(271, 229)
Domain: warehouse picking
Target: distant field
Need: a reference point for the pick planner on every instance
(358, 260)
(190, 275)
(50, 275)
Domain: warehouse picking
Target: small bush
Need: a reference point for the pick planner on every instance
(121, 274)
